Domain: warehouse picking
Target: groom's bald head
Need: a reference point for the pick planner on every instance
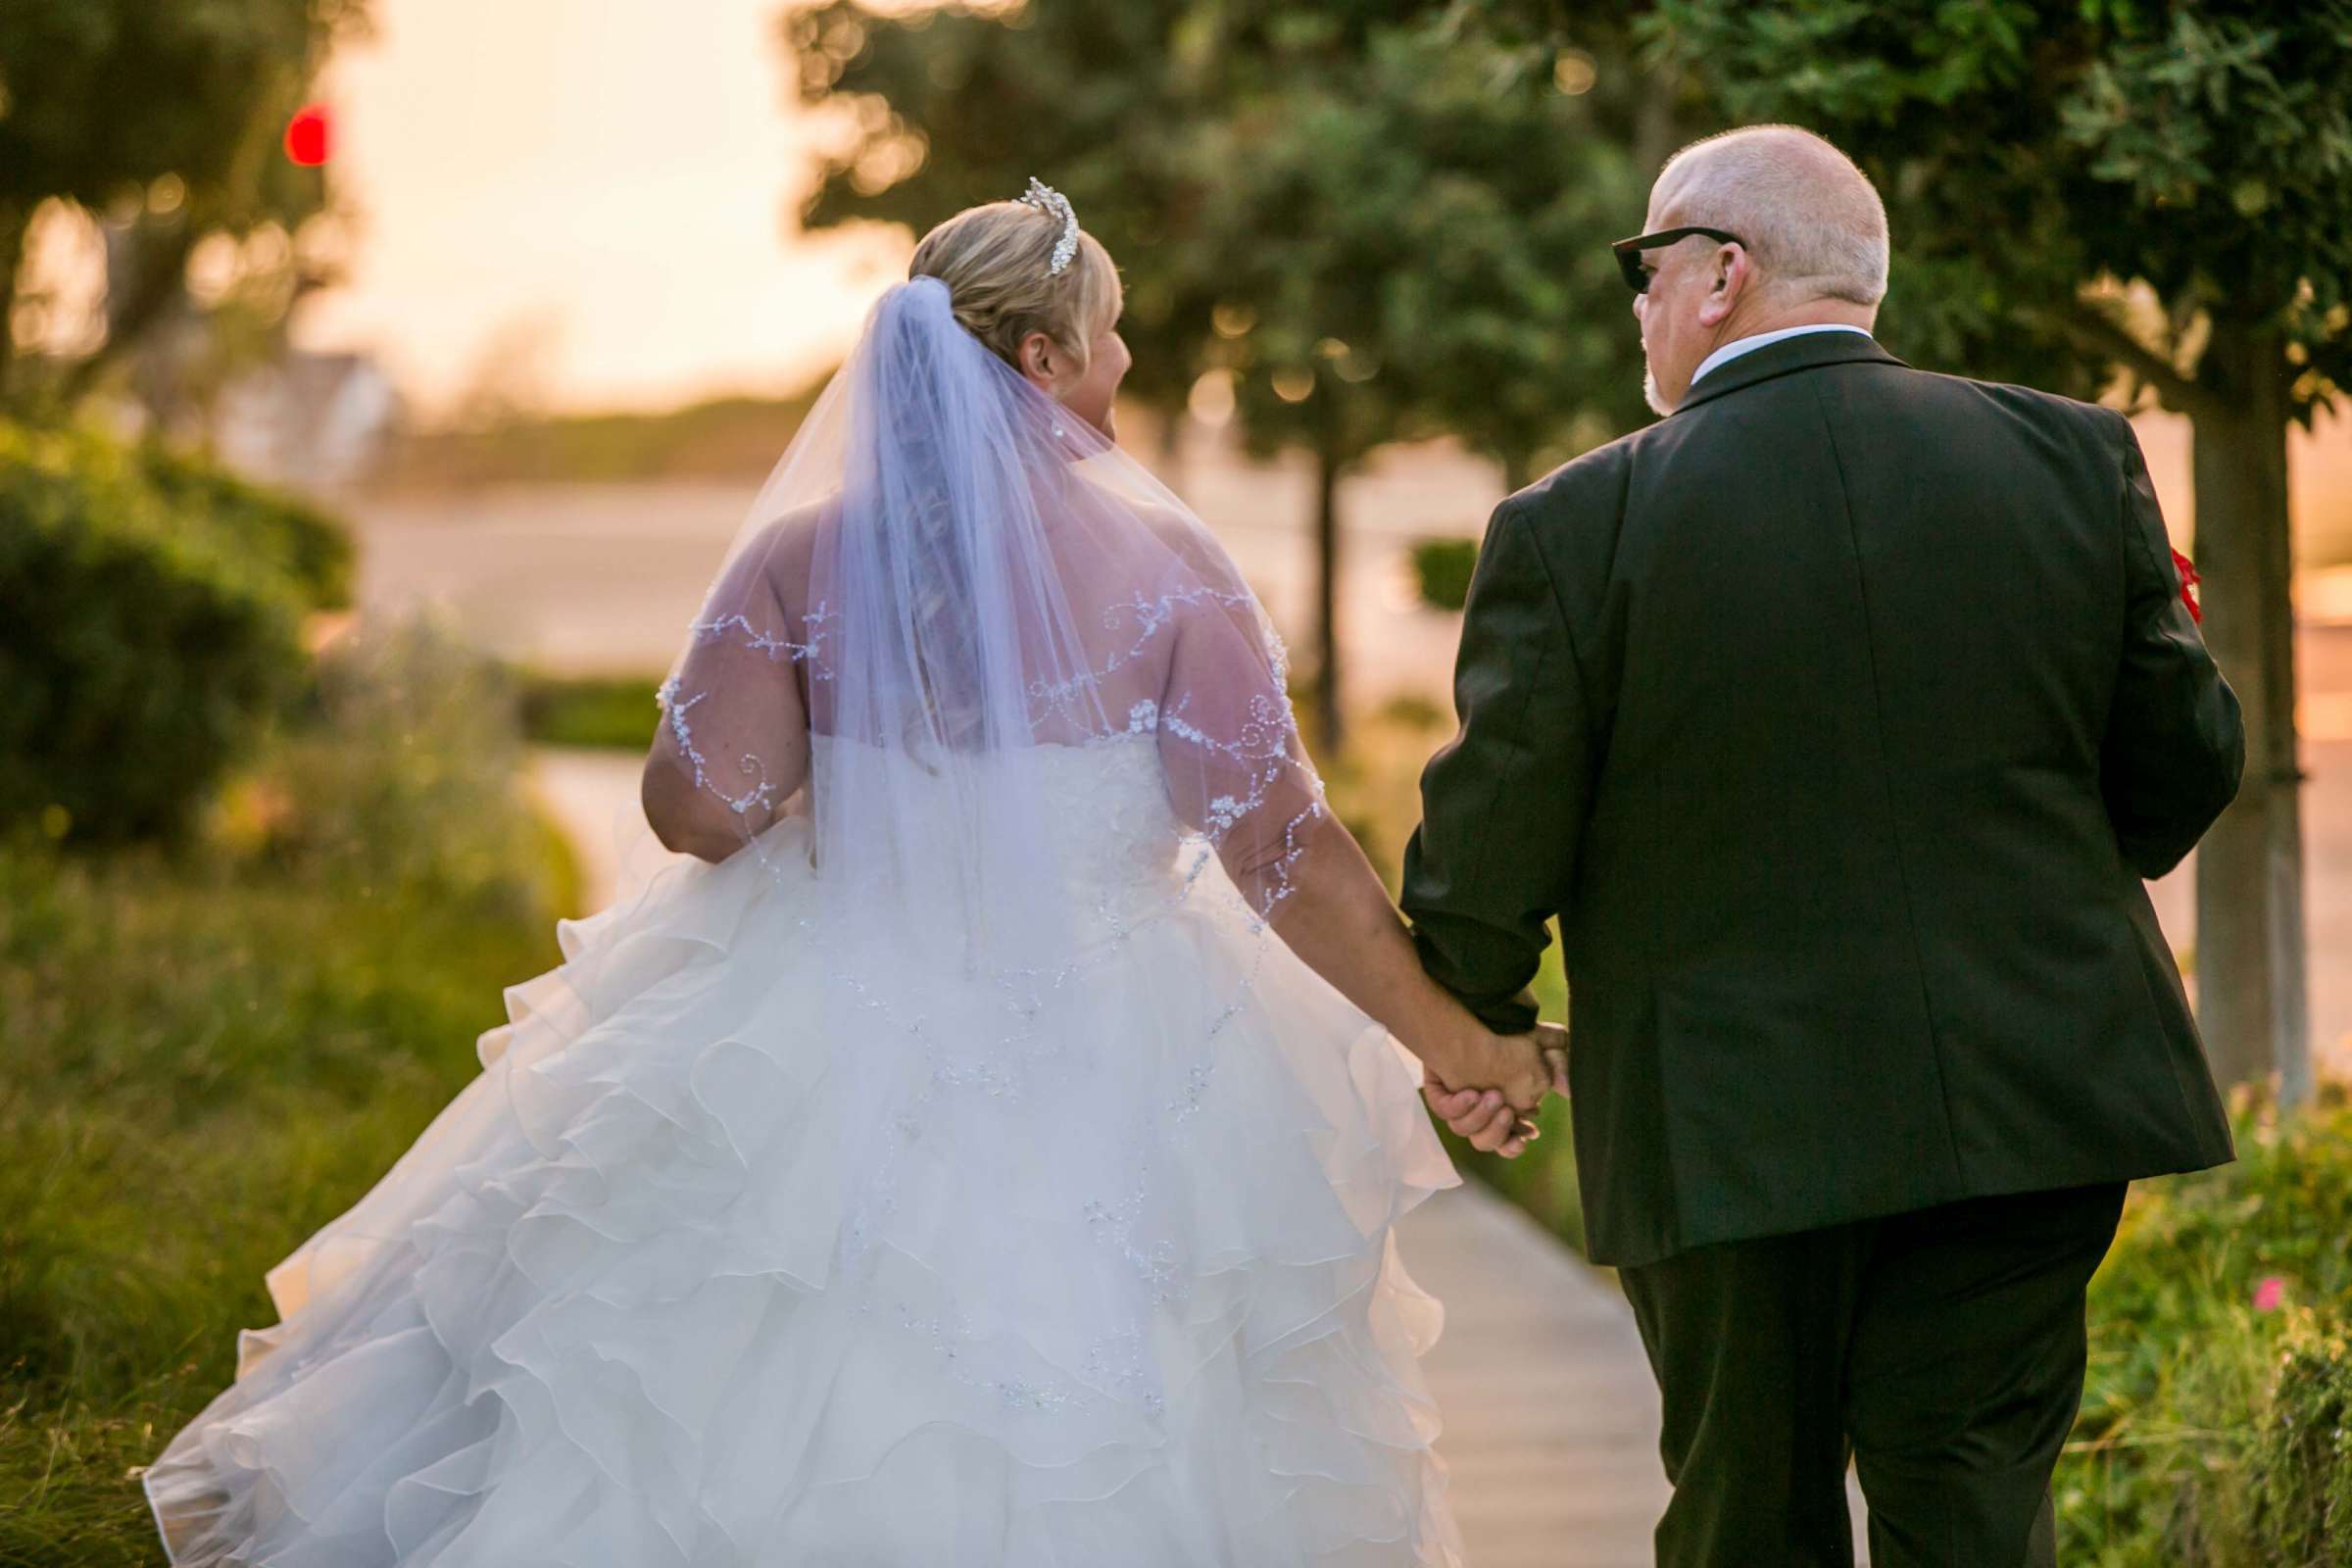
(1811, 221)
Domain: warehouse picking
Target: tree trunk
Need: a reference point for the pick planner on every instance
(14, 221)
(147, 276)
(1171, 447)
(1656, 134)
(1327, 708)
(2250, 940)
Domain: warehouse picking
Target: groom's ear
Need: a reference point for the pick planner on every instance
(1730, 276)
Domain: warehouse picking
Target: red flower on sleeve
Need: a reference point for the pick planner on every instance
(2187, 571)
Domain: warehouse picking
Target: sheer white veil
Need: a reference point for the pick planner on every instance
(864, 1193)
(955, 619)
(944, 572)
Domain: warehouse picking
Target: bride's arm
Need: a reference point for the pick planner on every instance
(733, 742)
(1238, 773)
(1338, 919)
(703, 793)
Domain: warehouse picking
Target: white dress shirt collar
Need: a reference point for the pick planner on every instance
(1738, 346)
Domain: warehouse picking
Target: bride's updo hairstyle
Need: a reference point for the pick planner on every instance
(997, 260)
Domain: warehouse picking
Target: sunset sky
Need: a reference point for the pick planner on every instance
(596, 200)
(597, 195)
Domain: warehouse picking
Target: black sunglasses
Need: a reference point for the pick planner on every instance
(1628, 251)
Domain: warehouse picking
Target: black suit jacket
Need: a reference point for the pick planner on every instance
(1838, 717)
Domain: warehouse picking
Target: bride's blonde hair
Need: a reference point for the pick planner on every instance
(996, 261)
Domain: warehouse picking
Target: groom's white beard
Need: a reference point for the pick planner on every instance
(1651, 393)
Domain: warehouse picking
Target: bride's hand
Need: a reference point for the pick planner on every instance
(1500, 1118)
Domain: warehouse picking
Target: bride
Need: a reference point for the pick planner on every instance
(982, 1146)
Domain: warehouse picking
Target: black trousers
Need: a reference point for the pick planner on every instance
(1942, 1349)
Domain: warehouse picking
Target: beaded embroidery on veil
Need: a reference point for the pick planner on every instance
(971, 582)
(963, 1170)
(974, 585)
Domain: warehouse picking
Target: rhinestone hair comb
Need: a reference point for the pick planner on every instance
(1046, 199)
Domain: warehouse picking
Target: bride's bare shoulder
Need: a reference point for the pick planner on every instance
(1185, 536)
(782, 550)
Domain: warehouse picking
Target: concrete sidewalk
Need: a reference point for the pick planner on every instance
(1552, 1419)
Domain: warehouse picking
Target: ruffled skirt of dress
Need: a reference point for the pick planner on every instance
(632, 1301)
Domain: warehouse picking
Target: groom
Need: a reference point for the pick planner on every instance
(1837, 717)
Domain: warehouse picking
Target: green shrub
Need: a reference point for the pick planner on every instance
(210, 1054)
(2206, 1425)
(396, 781)
(1442, 567)
(618, 711)
(2302, 1469)
(1415, 712)
(141, 647)
(301, 542)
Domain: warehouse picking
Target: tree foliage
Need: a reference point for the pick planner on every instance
(166, 120)
(2039, 156)
(1375, 229)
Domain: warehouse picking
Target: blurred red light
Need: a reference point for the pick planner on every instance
(307, 136)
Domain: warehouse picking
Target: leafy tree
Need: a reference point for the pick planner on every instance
(1420, 238)
(1121, 108)
(946, 108)
(1377, 231)
(2078, 188)
(166, 118)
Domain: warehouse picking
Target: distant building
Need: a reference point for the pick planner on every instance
(314, 422)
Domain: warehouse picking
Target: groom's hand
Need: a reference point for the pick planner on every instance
(1482, 1116)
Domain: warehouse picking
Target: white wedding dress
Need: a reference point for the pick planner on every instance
(703, 1271)
(589, 1317)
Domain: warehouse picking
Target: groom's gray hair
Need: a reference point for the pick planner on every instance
(1811, 219)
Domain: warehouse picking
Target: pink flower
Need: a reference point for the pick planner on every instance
(2270, 1292)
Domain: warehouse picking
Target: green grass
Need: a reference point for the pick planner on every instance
(199, 1075)
(618, 711)
(209, 1055)
(728, 439)
(2181, 1453)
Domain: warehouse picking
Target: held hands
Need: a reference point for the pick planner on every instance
(1504, 1080)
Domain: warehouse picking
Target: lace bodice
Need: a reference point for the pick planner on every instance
(1112, 801)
